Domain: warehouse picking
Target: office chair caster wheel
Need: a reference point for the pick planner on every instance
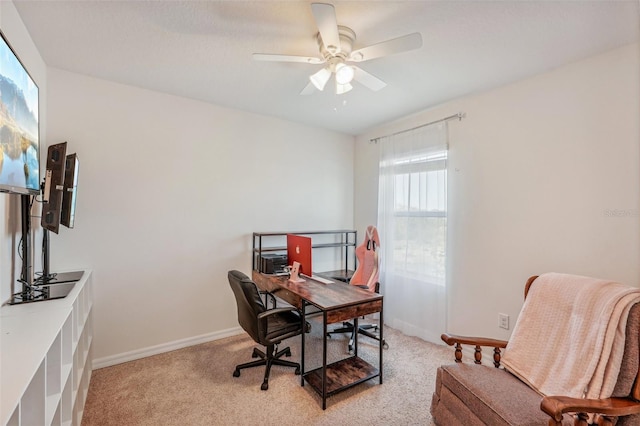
(385, 345)
(236, 373)
(254, 354)
(297, 371)
(288, 352)
(264, 386)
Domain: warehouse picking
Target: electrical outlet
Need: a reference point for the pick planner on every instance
(503, 321)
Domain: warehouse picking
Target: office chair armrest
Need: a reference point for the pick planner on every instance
(275, 311)
(265, 294)
(376, 288)
(264, 317)
(478, 342)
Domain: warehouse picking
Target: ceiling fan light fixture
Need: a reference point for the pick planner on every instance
(344, 74)
(320, 78)
(342, 88)
(335, 45)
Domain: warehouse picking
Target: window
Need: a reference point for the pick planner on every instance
(420, 212)
(412, 223)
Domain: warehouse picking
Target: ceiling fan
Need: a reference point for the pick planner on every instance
(335, 43)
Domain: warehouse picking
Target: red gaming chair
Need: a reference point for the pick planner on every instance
(366, 276)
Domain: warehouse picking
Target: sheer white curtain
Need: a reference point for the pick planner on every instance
(412, 222)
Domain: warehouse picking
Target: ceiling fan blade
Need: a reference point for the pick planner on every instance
(287, 58)
(369, 80)
(308, 89)
(325, 17)
(389, 47)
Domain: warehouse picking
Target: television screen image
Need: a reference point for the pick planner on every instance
(19, 128)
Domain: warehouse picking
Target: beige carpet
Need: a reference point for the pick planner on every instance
(195, 386)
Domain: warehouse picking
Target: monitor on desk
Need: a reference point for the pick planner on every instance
(299, 250)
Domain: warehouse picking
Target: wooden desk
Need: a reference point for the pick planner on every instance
(337, 302)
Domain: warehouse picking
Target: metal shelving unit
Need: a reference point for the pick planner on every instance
(345, 240)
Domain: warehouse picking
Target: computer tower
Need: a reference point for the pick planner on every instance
(273, 263)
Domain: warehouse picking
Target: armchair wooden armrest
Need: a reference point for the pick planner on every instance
(478, 342)
(607, 410)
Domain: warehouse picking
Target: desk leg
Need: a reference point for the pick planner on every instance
(304, 325)
(380, 327)
(324, 360)
(355, 336)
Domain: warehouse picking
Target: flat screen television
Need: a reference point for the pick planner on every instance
(59, 207)
(68, 215)
(52, 193)
(19, 126)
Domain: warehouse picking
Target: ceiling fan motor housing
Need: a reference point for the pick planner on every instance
(347, 37)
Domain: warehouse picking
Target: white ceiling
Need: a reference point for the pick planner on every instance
(202, 49)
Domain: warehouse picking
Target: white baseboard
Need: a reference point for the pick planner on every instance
(412, 330)
(165, 347)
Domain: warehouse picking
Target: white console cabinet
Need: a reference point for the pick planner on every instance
(45, 359)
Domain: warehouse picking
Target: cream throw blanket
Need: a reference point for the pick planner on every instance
(569, 337)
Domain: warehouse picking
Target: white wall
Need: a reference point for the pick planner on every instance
(10, 223)
(543, 176)
(170, 191)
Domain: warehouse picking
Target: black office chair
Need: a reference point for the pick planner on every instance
(267, 327)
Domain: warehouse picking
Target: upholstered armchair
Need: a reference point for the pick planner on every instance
(515, 390)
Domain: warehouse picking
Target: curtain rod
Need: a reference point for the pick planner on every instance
(459, 116)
